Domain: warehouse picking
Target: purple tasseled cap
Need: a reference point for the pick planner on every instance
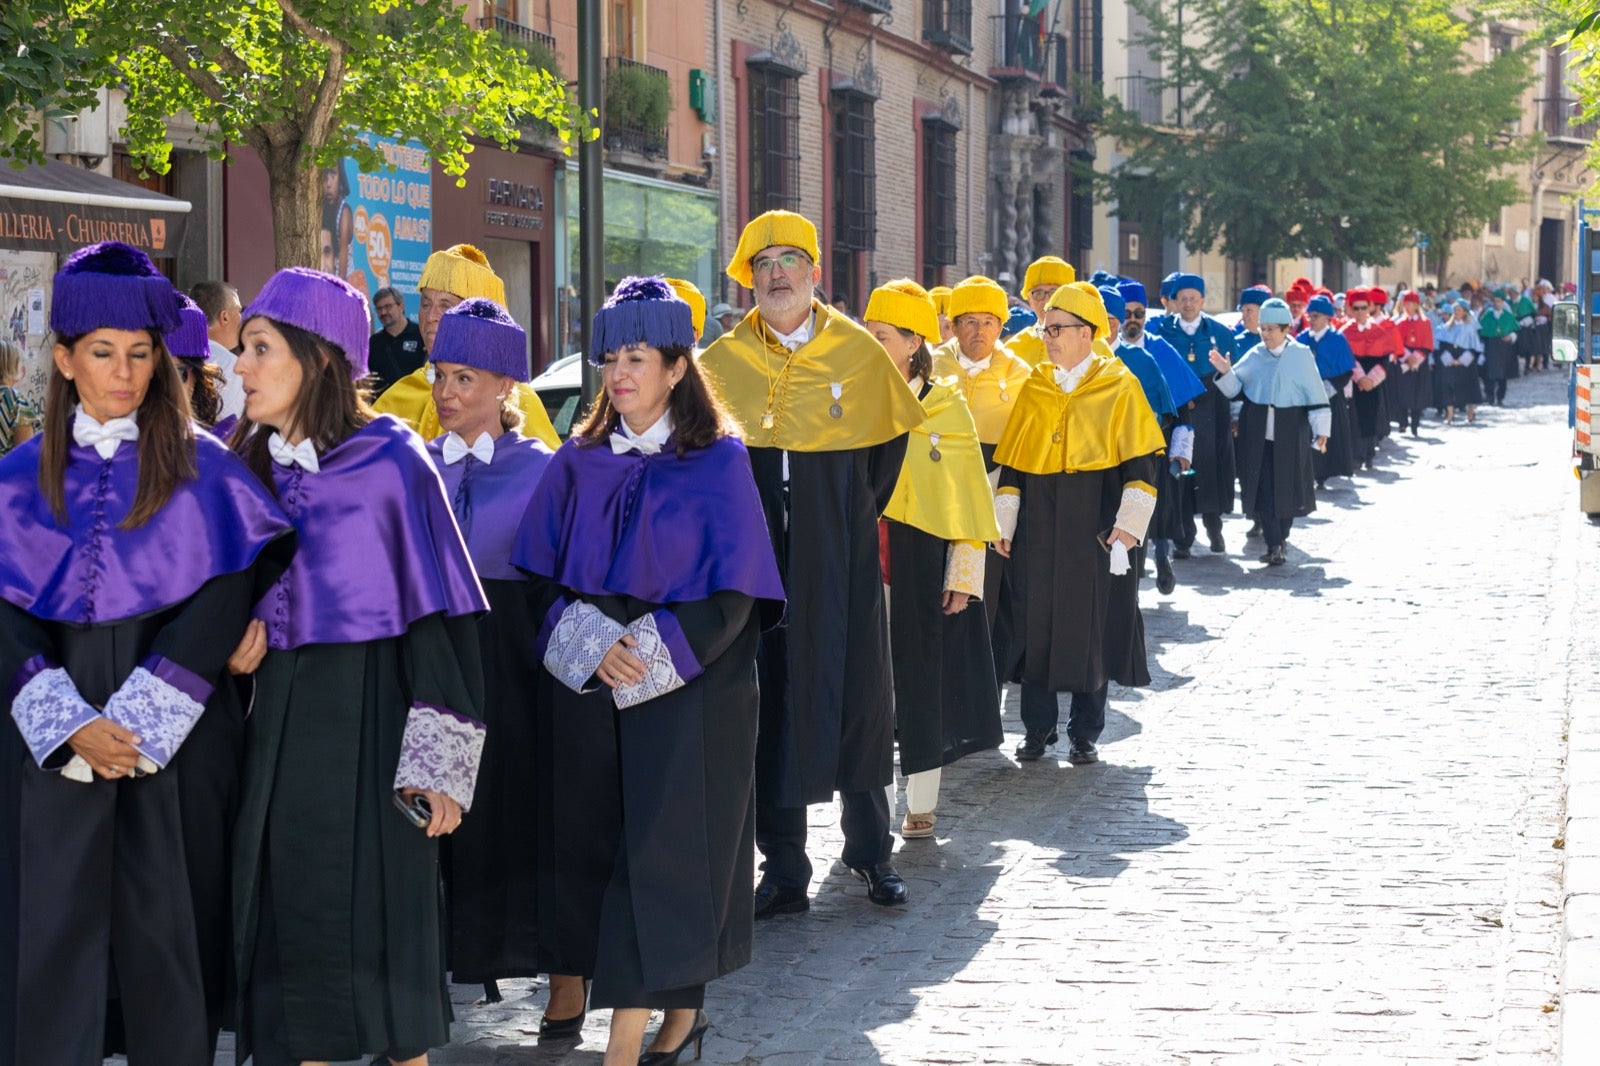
(111, 285)
(322, 304)
(641, 311)
(479, 332)
(190, 340)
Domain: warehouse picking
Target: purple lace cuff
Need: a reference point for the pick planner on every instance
(573, 640)
(669, 662)
(440, 752)
(48, 709)
(160, 701)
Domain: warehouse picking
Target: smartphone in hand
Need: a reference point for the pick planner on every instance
(417, 809)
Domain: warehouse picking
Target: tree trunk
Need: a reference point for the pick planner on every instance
(296, 204)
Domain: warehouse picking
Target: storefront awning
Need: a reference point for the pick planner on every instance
(55, 207)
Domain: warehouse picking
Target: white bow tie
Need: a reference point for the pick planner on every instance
(972, 366)
(303, 455)
(621, 443)
(457, 449)
(103, 437)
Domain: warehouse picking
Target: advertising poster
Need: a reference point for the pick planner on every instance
(377, 227)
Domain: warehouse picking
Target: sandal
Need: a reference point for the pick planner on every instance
(917, 826)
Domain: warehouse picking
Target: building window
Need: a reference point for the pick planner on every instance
(947, 24)
(855, 191)
(1080, 207)
(774, 146)
(1493, 231)
(938, 199)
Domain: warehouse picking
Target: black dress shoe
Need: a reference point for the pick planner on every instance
(1278, 556)
(1217, 544)
(697, 1036)
(1031, 749)
(1254, 530)
(1166, 581)
(1082, 753)
(555, 1028)
(884, 886)
(773, 900)
(1180, 551)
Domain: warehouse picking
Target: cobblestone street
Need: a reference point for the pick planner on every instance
(1324, 835)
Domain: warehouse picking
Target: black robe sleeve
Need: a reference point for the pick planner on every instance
(443, 741)
(883, 468)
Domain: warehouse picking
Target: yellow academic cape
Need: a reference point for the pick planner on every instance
(950, 498)
(990, 393)
(1028, 345)
(1102, 423)
(411, 400)
(841, 368)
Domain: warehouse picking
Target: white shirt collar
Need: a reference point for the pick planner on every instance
(104, 437)
(974, 366)
(916, 384)
(1191, 328)
(1317, 334)
(456, 448)
(650, 442)
(801, 335)
(1068, 379)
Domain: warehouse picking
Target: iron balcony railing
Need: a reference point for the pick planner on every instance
(1019, 43)
(1560, 120)
(624, 129)
(516, 31)
(947, 24)
(1144, 96)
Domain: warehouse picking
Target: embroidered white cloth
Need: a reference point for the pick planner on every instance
(159, 713)
(581, 638)
(661, 674)
(456, 448)
(104, 437)
(303, 455)
(440, 752)
(650, 442)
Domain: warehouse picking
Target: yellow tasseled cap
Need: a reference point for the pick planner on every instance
(1082, 299)
(697, 303)
(769, 231)
(905, 305)
(940, 295)
(1048, 270)
(979, 294)
(463, 271)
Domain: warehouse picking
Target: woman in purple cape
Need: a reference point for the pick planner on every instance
(132, 549)
(363, 743)
(649, 554)
(494, 863)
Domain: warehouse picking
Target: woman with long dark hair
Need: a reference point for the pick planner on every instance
(364, 741)
(133, 549)
(651, 571)
(190, 346)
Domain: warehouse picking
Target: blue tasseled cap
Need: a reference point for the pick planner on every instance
(190, 340)
(480, 333)
(1018, 320)
(1116, 306)
(1167, 284)
(1133, 293)
(641, 311)
(1102, 278)
(1255, 294)
(1319, 305)
(111, 285)
(1188, 281)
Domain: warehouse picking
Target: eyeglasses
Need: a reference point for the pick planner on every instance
(1135, 312)
(1055, 331)
(788, 261)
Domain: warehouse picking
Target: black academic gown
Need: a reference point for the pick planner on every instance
(1339, 460)
(1293, 475)
(1064, 615)
(946, 700)
(1167, 522)
(336, 904)
(1210, 490)
(152, 927)
(654, 815)
(996, 588)
(827, 720)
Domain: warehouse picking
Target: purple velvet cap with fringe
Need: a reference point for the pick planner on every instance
(190, 340)
(111, 285)
(322, 304)
(641, 311)
(480, 333)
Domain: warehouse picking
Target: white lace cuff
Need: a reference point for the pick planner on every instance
(581, 637)
(1182, 443)
(159, 711)
(1007, 505)
(669, 662)
(48, 709)
(963, 568)
(440, 752)
(1138, 505)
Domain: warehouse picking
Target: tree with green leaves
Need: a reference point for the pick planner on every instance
(1328, 128)
(299, 81)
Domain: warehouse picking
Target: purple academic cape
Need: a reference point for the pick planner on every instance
(489, 501)
(657, 528)
(379, 547)
(92, 571)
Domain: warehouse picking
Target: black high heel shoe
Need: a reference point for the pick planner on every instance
(697, 1037)
(553, 1028)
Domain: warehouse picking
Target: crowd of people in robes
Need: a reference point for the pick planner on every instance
(319, 701)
